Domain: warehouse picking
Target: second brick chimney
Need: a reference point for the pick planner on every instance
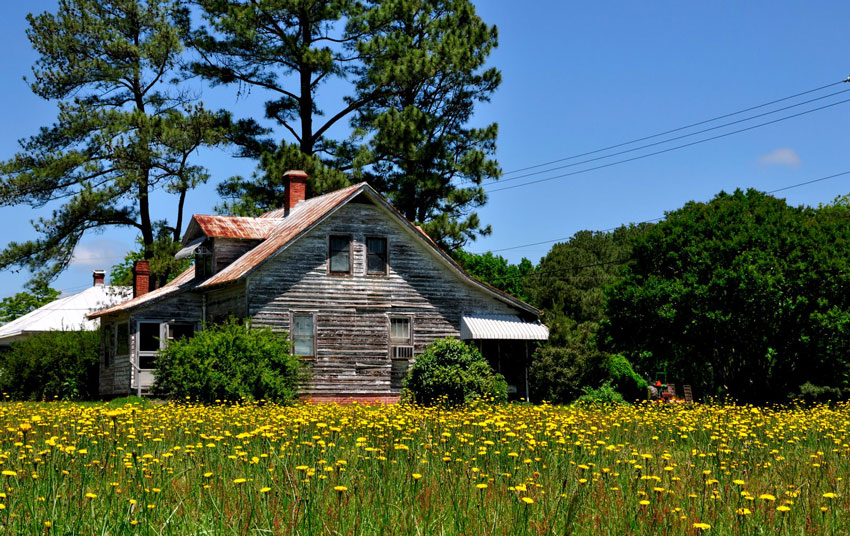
(141, 278)
(295, 184)
(98, 276)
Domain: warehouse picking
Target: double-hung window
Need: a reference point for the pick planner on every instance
(376, 256)
(303, 335)
(339, 254)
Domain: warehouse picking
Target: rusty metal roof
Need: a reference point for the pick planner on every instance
(302, 217)
(279, 232)
(230, 227)
(182, 282)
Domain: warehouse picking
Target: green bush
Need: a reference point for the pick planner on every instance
(604, 394)
(624, 379)
(229, 361)
(53, 364)
(452, 372)
(819, 393)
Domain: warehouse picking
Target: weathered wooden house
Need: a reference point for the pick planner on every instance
(359, 289)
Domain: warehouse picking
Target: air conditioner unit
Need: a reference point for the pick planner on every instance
(401, 352)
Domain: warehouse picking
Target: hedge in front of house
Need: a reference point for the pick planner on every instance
(228, 362)
(52, 364)
(453, 372)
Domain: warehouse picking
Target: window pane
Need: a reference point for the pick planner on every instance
(148, 337)
(340, 254)
(147, 361)
(122, 345)
(181, 331)
(376, 249)
(400, 330)
(302, 335)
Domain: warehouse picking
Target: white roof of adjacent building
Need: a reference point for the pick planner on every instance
(503, 327)
(66, 314)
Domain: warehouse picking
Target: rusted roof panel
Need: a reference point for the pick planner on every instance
(236, 226)
(182, 282)
(300, 219)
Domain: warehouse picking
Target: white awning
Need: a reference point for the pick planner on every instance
(190, 248)
(503, 327)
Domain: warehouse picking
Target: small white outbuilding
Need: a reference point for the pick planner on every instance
(68, 313)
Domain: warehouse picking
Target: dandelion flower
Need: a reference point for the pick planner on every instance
(239, 481)
(481, 486)
(744, 511)
(528, 500)
(783, 508)
(340, 488)
(767, 497)
(702, 526)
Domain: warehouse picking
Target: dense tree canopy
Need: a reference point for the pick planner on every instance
(569, 281)
(413, 69)
(743, 294)
(496, 271)
(123, 128)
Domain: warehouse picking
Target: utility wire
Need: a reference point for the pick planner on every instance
(799, 184)
(654, 144)
(698, 123)
(669, 149)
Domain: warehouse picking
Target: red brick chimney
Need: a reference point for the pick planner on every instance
(295, 184)
(98, 276)
(141, 278)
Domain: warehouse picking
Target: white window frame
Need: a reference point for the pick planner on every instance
(312, 315)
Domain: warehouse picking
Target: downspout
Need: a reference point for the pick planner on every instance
(525, 345)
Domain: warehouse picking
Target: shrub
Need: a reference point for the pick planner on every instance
(229, 361)
(819, 393)
(624, 379)
(452, 372)
(604, 394)
(60, 364)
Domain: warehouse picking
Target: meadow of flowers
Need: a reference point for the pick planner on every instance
(514, 469)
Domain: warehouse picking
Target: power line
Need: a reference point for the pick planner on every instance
(678, 129)
(654, 144)
(799, 184)
(669, 149)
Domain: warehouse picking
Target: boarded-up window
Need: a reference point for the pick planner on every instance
(107, 345)
(303, 335)
(339, 254)
(376, 256)
(203, 262)
(122, 342)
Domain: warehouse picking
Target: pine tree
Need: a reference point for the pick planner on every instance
(414, 71)
(124, 127)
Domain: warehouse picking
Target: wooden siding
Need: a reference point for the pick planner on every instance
(352, 311)
(116, 380)
(227, 250)
(226, 302)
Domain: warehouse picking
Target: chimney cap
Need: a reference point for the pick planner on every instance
(296, 173)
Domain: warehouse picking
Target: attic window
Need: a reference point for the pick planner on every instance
(339, 254)
(203, 262)
(376, 256)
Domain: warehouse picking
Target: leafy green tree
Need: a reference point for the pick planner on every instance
(743, 295)
(569, 281)
(124, 127)
(37, 294)
(414, 73)
(496, 271)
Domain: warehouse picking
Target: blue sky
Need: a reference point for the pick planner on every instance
(577, 76)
